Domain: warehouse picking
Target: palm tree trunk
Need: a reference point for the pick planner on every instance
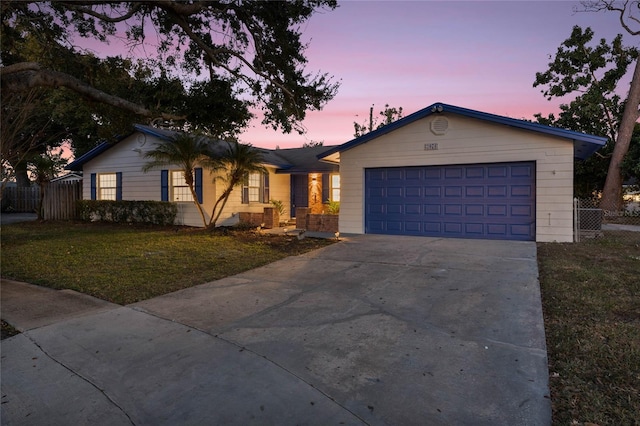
(197, 203)
(215, 214)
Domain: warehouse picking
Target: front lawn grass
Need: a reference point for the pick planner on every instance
(125, 264)
(591, 304)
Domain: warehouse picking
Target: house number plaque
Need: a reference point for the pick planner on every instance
(430, 146)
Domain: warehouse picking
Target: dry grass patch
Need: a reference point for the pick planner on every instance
(591, 303)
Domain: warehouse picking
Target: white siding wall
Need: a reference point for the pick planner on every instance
(467, 141)
(281, 191)
(136, 185)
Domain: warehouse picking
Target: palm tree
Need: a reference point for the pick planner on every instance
(184, 151)
(238, 160)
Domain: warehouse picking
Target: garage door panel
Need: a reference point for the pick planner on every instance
(394, 191)
(394, 208)
(454, 173)
(413, 192)
(474, 191)
(474, 172)
(413, 174)
(521, 210)
(433, 174)
(521, 191)
(374, 175)
(474, 228)
(497, 171)
(432, 228)
(432, 209)
(412, 227)
(453, 209)
(521, 230)
(495, 201)
(454, 228)
(394, 226)
(497, 191)
(395, 175)
(432, 191)
(474, 210)
(375, 209)
(453, 191)
(376, 226)
(498, 229)
(525, 170)
(412, 209)
(497, 210)
(375, 192)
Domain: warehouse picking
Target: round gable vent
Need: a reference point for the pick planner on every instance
(439, 125)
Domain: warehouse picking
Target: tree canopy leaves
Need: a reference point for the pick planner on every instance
(207, 62)
(590, 71)
(388, 115)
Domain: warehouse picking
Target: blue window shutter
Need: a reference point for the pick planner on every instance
(198, 183)
(118, 186)
(326, 187)
(164, 185)
(265, 192)
(245, 189)
(94, 191)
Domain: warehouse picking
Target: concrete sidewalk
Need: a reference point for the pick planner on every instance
(9, 218)
(372, 330)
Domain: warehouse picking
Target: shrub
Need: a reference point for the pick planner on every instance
(279, 206)
(152, 212)
(333, 207)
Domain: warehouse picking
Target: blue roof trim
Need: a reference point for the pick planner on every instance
(584, 144)
(158, 133)
(77, 164)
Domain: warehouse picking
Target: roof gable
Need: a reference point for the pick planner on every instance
(584, 144)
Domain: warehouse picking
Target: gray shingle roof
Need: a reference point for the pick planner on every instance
(292, 161)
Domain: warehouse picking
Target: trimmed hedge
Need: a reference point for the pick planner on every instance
(153, 212)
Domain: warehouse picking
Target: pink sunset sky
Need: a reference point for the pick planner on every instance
(474, 54)
(481, 55)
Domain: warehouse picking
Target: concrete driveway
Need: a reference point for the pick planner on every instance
(377, 330)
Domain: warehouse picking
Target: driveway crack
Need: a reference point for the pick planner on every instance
(85, 379)
(300, 378)
(271, 361)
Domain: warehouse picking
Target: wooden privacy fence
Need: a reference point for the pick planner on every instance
(60, 200)
(21, 200)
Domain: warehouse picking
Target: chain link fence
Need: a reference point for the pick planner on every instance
(593, 220)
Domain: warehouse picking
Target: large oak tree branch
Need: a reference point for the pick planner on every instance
(211, 53)
(19, 67)
(101, 16)
(24, 76)
(597, 6)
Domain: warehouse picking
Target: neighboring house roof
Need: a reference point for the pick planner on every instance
(584, 144)
(68, 177)
(295, 160)
(305, 160)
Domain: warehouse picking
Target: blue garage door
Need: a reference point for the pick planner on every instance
(487, 201)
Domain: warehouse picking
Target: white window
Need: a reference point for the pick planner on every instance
(335, 187)
(255, 187)
(107, 186)
(179, 189)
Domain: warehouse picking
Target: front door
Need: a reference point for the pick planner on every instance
(299, 192)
